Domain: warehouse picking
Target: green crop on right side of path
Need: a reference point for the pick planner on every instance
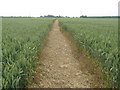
(22, 39)
(99, 37)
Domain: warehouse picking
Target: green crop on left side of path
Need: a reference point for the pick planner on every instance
(22, 39)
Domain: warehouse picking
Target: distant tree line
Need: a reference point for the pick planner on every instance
(16, 16)
(49, 16)
(52, 16)
(55, 16)
(85, 16)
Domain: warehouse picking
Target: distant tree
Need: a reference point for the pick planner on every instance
(83, 16)
(49, 16)
(41, 16)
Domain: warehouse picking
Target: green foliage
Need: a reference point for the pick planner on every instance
(22, 40)
(99, 37)
(0, 53)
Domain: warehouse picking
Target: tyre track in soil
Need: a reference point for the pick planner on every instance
(58, 67)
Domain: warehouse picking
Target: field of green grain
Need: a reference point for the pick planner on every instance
(99, 38)
(0, 53)
(22, 39)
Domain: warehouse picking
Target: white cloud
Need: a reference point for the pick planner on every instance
(58, 7)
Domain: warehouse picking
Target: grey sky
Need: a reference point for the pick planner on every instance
(59, 7)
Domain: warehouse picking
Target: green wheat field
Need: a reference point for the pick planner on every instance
(23, 39)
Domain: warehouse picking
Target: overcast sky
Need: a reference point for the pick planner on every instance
(59, 7)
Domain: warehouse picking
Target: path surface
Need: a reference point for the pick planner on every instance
(58, 67)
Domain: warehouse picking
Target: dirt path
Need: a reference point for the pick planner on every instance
(58, 67)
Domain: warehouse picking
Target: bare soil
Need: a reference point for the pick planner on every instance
(58, 66)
